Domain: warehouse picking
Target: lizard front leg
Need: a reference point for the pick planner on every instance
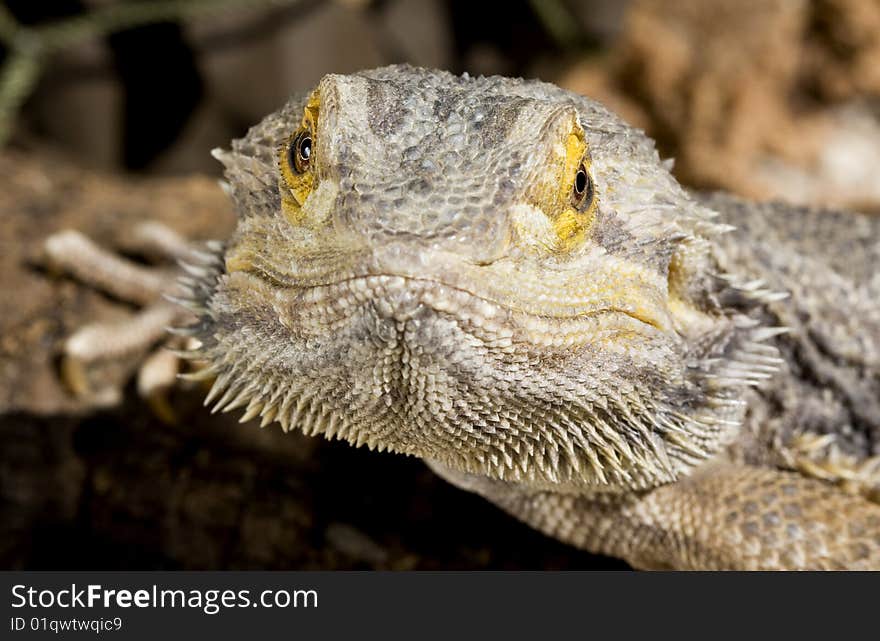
(73, 253)
(724, 516)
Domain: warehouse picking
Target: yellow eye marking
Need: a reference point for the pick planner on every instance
(570, 227)
(296, 160)
(563, 191)
(563, 188)
(575, 199)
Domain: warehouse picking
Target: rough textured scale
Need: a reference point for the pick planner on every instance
(504, 279)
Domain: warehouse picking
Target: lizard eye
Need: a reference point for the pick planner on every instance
(299, 155)
(582, 189)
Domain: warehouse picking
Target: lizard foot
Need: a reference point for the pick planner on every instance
(88, 352)
(818, 456)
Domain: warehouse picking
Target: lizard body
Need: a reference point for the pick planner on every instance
(502, 278)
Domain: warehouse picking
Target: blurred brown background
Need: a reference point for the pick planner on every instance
(108, 110)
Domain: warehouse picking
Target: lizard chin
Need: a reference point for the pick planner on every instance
(421, 368)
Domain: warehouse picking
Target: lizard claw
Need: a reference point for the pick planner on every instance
(94, 348)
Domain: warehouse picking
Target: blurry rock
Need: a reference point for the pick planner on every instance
(78, 104)
(766, 98)
(602, 20)
(418, 32)
(846, 169)
(715, 78)
(842, 48)
(208, 127)
(591, 78)
(356, 545)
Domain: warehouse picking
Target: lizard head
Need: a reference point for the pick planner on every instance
(493, 274)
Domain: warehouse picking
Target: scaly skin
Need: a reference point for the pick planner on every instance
(502, 278)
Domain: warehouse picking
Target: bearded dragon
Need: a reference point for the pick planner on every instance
(504, 279)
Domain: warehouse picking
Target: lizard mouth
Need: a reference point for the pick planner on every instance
(519, 293)
(401, 299)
